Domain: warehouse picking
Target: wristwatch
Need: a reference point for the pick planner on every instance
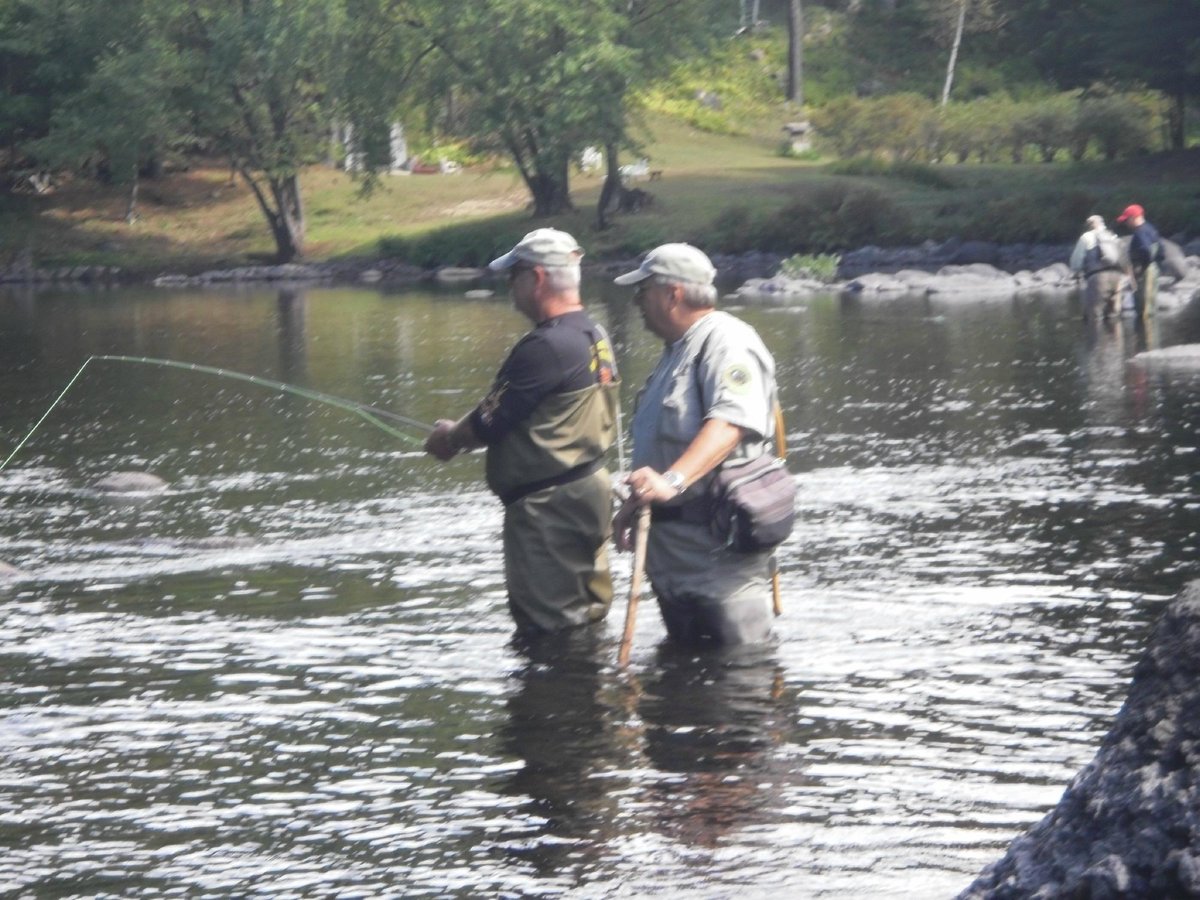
(675, 480)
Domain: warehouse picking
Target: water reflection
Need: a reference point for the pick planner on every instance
(712, 723)
(293, 335)
(564, 726)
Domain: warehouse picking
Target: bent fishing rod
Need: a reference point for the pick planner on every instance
(371, 414)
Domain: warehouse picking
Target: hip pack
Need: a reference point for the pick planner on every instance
(753, 503)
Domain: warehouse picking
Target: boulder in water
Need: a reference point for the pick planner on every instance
(1180, 358)
(130, 483)
(8, 573)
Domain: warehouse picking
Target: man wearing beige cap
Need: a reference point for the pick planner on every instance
(711, 397)
(1097, 257)
(547, 423)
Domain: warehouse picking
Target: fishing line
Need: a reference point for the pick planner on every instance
(371, 414)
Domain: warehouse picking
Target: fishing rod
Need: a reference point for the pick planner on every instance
(371, 414)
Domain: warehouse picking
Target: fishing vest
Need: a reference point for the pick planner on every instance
(564, 438)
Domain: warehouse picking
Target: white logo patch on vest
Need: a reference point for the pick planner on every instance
(737, 378)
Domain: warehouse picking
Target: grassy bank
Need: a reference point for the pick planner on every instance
(727, 193)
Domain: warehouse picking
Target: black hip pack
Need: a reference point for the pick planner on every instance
(753, 503)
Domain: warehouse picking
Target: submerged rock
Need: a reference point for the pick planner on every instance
(455, 275)
(129, 483)
(1180, 358)
(1129, 823)
(8, 573)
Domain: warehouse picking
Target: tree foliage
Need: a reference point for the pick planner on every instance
(107, 87)
(541, 80)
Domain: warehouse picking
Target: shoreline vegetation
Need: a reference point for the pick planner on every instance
(735, 196)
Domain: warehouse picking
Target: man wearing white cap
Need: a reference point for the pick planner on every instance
(711, 397)
(547, 423)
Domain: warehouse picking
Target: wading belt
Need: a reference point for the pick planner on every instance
(574, 474)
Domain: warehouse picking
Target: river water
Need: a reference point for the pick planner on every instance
(292, 673)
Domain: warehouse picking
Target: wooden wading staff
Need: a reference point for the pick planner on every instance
(781, 452)
(635, 585)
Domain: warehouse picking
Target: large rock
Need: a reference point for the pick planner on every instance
(1129, 823)
(129, 483)
(1180, 358)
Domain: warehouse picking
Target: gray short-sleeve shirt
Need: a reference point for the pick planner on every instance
(720, 369)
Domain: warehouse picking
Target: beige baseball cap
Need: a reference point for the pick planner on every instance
(680, 262)
(542, 247)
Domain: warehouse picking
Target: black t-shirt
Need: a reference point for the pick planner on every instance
(567, 353)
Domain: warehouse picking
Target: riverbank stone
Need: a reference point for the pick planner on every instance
(1128, 825)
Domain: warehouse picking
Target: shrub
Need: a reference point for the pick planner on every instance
(1046, 217)
(1049, 124)
(469, 244)
(871, 166)
(835, 217)
(1118, 124)
(638, 237)
(734, 230)
(821, 267)
(894, 125)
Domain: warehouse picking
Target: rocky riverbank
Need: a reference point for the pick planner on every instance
(947, 267)
(971, 268)
(1129, 824)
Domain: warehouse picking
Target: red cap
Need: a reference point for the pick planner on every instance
(1131, 212)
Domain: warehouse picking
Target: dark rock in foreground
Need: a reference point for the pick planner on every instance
(1129, 823)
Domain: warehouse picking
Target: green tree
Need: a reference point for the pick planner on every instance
(259, 73)
(1150, 43)
(268, 79)
(121, 120)
(48, 51)
(1157, 43)
(542, 79)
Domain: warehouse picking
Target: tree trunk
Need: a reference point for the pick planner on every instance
(612, 185)
(550, 187)
(1177, 134)
(795, 80)
(288, 224)
(283, 211)
(958, 33)
(131, 213)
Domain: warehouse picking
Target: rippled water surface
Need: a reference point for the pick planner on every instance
(292, 674)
